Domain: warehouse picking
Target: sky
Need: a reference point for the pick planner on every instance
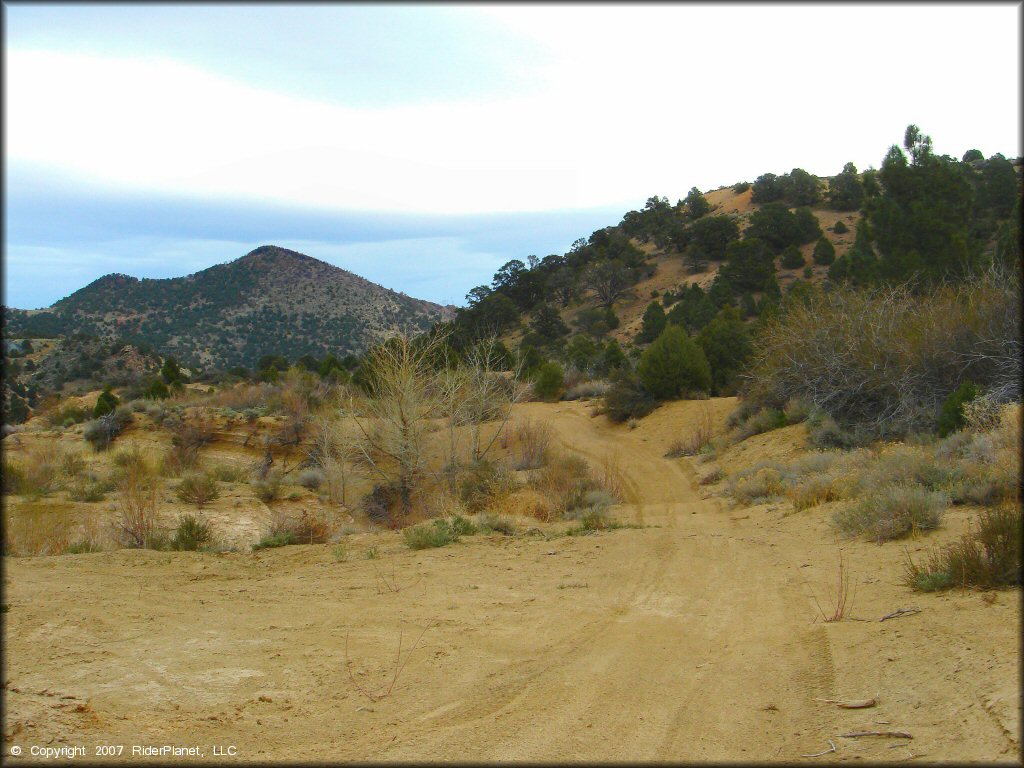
(423, 146)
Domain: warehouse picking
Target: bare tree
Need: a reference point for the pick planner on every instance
(402, 399)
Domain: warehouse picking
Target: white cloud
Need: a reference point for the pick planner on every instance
(631, 101)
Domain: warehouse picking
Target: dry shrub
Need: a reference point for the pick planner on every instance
(193, 433)
(37, 473)
(37, 529)
(229, 473)
(269, 488)
(987, 556)
(714, 475)
(179, 459)
(441, 502)
(528, 502)
(906, 464)
(197, 489)
(814, 490)
(887, 358)
(308, 528)
(531, 441)
(586, 390)
(485, 484)
(762, 481)
(698, 439)
(138, 490)
(608, 476)
(892, 512)
(239, 397)
(567, 479)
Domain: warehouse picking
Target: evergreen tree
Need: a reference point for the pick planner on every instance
(824, 252)
(921, 219)
(846, 191)
(749, 264)
(171, 371)
(547, 324)
(696, 204)
(653, 323)
(726, 345)
(792, 258)
(105, 403)
(613, 357)
(748, 308)
(721, 294)
(672, 365)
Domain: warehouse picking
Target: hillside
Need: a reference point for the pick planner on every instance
(270, 301)
(747, 247)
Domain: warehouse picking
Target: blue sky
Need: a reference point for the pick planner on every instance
(423, 146)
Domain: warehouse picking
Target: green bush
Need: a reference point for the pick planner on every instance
(157, 391)
(824, 252)
(105, 403)
(840, 228)
(626, 398)
(191, 534)
(549, 381)
(988, 556)
(273, 540)
(892, 512)
(429, 535)
(673, 365)
(792, 258)
(951, 417)
(461, 526)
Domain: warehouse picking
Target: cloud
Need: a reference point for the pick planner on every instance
(62, 236)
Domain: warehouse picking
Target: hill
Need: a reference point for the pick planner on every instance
(270, 301)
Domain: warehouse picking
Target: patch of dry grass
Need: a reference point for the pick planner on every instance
(37, 528)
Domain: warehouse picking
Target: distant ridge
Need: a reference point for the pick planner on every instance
(271, 301)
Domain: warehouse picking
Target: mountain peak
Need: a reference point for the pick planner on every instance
(267, 253)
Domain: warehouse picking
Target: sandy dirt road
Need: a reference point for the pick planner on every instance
(694, 638)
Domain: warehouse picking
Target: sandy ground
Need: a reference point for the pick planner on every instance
(694, 638)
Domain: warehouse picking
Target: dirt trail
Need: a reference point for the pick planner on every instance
(690, 639)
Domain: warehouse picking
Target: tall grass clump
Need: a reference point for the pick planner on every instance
(531, 441)
(38, 473)
(37, 530)
(135, 526)
(892, 512)
(987, 556)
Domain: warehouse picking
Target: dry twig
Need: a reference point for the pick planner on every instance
(851, 703)
(901, 612)
(819, 754)
(885, 734)
(399, 666)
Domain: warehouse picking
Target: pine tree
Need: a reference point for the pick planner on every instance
(672, 365)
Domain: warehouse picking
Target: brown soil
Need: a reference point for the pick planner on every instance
(694, 638)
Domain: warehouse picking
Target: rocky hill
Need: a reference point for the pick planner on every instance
(270, 301)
